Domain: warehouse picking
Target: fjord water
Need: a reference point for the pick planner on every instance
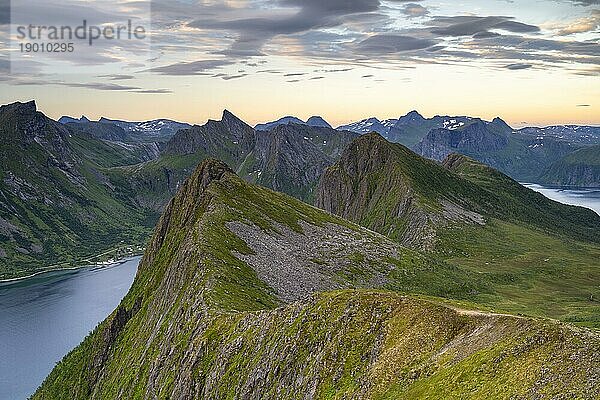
(589, 198)
(43, 317)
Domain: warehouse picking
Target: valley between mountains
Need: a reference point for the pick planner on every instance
(298, 261)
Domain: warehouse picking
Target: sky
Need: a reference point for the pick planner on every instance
(531, 62)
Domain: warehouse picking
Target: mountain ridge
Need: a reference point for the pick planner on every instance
(57, 204)
(314, 121)
(204, 319)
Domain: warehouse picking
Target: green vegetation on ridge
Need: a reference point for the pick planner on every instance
(200, 323)
(56, 202)
(541, 257)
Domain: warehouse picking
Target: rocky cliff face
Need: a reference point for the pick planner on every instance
(376, 184)
(580, 168)
(245, 293)
(56, 199)
(289, 158)
(476, 138)
(388, 188)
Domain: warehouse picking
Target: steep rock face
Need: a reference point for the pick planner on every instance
(287, 162)
(390, 189)
(369, 186)
(230, 136)
(209, 315)
(100, 130)
(474, 139)
(580, 168)
(23, 126)
(289, 158)
(56, 199)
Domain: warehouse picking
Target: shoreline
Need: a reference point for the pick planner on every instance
(117, 262)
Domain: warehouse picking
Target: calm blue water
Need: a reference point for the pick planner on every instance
(589, 198)
(42, 318)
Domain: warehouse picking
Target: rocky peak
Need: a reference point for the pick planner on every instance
(236, 126)
(208, 171)
(231, 119)
(368, 152)
(500, 124)
(411, 117)
(191, 197)
(26, 108)
(318, 121)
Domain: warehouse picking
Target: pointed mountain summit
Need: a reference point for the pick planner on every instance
(289, 157)
(412, 117)
(235, 125)
(248, 293)
(387, 187)
(501, 125)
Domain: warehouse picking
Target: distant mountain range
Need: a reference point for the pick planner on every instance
(159, 130)
(314, 121)
(525, 154)
(572, 133)
(308, 260)
(408, 129)
(96, 170)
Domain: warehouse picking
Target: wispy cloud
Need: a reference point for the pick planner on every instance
(200, 67)
(117, 77)
(518, 66)
(590, 23)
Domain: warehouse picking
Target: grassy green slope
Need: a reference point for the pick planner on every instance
(541, 256)
(373, 175)
(56, 203)
(200, 323)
